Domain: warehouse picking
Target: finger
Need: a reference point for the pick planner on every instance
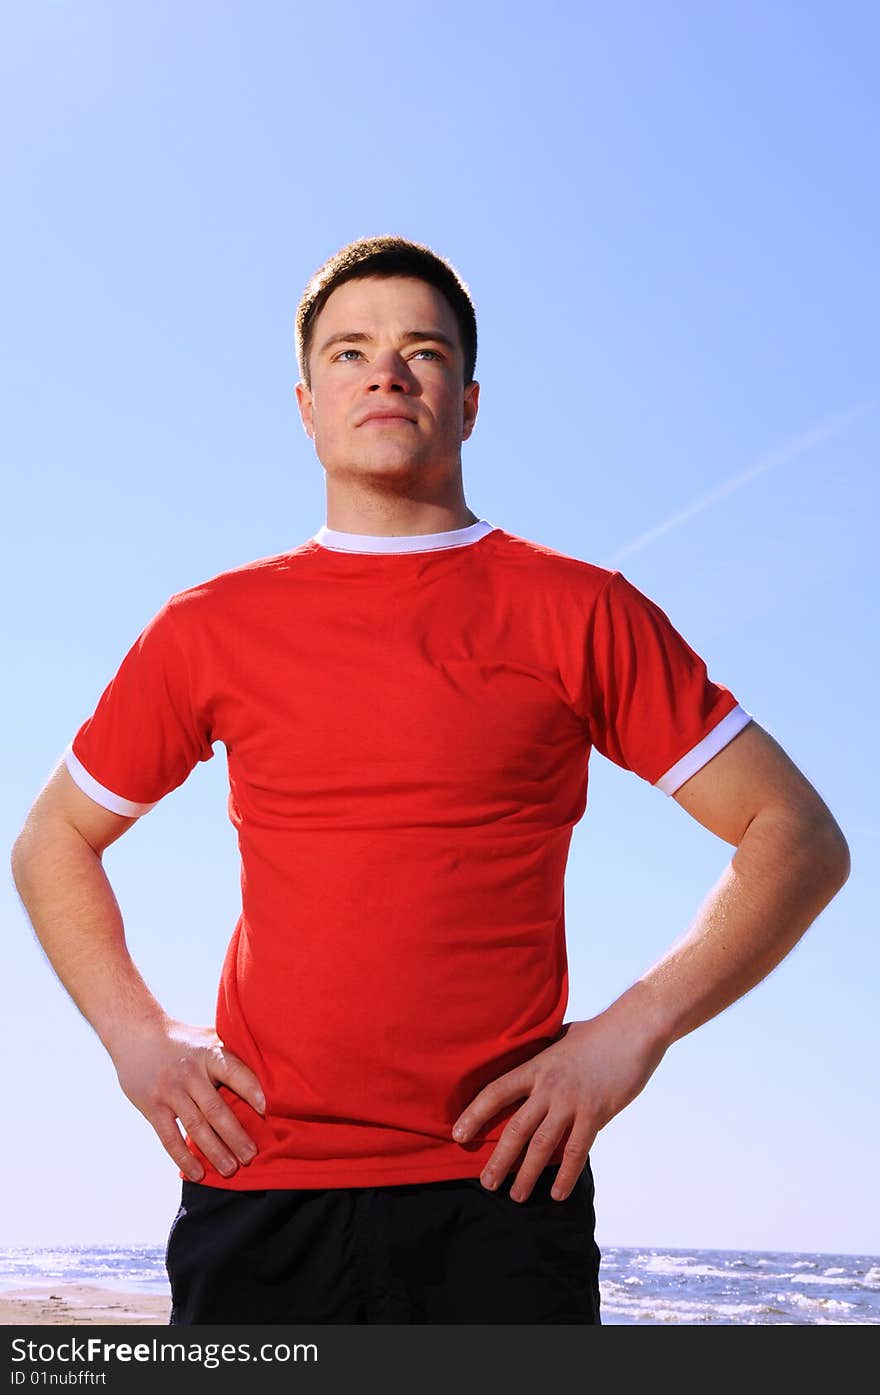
(200, 1129)
(574, 1160)
(231, 1070)
(489, 1101)
(224, 1123)
(545, 1141)
(514, 1141)
(164, 1123)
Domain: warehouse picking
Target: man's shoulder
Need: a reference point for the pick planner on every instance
(245, 581)
(540, 560)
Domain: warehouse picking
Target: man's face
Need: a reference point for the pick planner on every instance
(387, 399)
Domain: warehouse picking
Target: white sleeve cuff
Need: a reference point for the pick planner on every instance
(710, 745)
(101, 795)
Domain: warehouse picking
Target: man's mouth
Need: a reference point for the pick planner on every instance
(386, 419)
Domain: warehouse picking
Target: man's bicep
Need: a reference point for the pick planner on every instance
(62, 798)
(750, 774)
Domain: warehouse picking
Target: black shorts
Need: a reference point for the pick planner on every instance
(429, 1252)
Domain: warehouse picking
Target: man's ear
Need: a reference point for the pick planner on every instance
(304, 402)
(471, 405)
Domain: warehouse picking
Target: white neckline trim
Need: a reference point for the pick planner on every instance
(411, 542)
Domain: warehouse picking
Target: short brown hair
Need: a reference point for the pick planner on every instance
(386, 256)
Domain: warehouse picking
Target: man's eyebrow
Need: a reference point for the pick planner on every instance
(436, 336)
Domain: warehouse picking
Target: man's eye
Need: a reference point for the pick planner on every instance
(433, 352)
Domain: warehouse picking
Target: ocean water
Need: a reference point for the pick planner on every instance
(738, 1288)
(728, 1288)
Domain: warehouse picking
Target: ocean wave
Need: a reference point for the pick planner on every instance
(809, 1301)
(692, 1311)
(685, 1267)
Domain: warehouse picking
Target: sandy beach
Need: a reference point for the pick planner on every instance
(62, 1304)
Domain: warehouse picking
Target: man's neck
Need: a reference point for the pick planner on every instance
(391, 518)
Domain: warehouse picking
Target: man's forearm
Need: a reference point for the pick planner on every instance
(77, 920)
(782, 875)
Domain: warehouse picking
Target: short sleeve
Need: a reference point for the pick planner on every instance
(145, 735)
(653, 709)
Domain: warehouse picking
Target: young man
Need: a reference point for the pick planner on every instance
(390, 1121)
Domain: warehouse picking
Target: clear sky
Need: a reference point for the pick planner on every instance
(668, 219)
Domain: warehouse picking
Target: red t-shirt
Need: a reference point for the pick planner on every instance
(407, 724)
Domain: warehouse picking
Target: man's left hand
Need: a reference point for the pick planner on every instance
(574, 1086)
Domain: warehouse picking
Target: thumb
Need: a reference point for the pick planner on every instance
(230, 1070)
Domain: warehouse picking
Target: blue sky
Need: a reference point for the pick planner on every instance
(668, 219)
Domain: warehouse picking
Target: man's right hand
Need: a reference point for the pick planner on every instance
(172, 1071)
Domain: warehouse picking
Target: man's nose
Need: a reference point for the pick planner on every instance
(390, 373)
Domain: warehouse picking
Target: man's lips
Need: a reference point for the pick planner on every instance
(385, 419)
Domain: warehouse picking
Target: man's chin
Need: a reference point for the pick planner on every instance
(387, 465)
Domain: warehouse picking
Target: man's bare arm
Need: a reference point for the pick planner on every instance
(791, 859)
(168, 1069)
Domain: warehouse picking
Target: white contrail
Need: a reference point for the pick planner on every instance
(799, 446)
